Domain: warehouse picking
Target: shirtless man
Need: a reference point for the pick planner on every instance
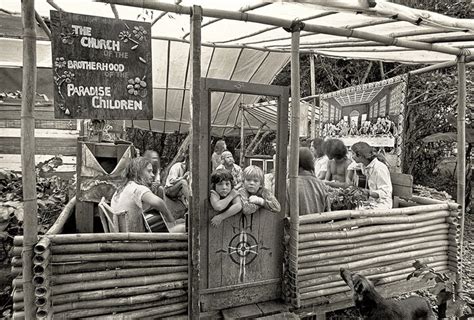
(336, 174)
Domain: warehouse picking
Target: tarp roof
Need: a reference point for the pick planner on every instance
(256, 52)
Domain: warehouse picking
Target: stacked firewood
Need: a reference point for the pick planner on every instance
(380, 244)
(124, 275)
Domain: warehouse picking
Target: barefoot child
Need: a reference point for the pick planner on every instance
(254, 195)
(224, 198)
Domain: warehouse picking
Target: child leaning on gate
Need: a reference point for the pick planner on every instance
(224, 198)
(254, 195)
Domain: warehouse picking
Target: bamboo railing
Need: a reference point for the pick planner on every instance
(125, 275)
(380, 244)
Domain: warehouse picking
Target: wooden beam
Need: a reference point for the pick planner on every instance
(43, 25)
(294, 155)
(287, 23)
(199, 163)
(461, 156)
(433, 67)
(30, 219)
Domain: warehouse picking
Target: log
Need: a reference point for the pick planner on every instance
(85, 313)
(103, 265)
(344, 214)
(42, 245)
(126, 282)
(43, 312)
(41, 280)
(42, 301)
(306, 256)
(118, 292)
(42, 258)
(118, 256)
(371, 261)
(320, 278)
(368, 237)
(320, 249)
(101, 237)
(115, 274)
(120, 301)
(18, 316)
(17, 295)
(118, 247)
(41, 291)
(359, 222)
(155, 311)
(313, 260)
(429, 201)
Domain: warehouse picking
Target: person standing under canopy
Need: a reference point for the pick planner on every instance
(379, 184)
(228, 163)
(135, 197)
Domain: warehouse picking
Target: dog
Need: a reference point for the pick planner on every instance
(372, 306)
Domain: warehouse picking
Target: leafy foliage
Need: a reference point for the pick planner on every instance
(346, 198)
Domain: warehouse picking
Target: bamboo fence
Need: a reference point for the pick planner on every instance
(126, 275)
(380, 244)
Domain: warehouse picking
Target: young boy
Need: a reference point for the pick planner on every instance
(224, 198)
(254, 195)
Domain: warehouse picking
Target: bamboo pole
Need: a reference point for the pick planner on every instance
(58, 225)
(120, 301)
(428, 201)
(101, 265)
(371, 261)
(307, 257)
(118, 292)
(351, 246)
(115, 274)
(370, 237)
(312, 71)
(93, 313)
(118, 247)
(242, 136)
(294, 155)
(362, 222)
(344, 214)
(118, 256)
(310, 260)
(286, 23)
(119, 283)
(367, 230)
(42, 259)
(461, 156)
(164, 310)
(30, 219)
(42, 245)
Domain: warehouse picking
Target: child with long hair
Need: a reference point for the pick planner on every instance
(224, 198)
(336, 174)
(254, 194)
(216, 159)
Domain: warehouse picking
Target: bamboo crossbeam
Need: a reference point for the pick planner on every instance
(304, 256)
(118, 292)
(428, 201)
(103, 265)
(286, 23)
(115, 274)
(367, 230)
(120, 301)
(119, 283)
(350, 246)
(320, 279)
(371, 261)
(360, 222)
(146, 313)
(118, 247)
(101, 237)
(344, 214)
(87, 257)
(310, 261)
(93, 313)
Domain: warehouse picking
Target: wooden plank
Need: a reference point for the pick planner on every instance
(217, 250)
(280, 316)
(41, 124)
(11, 111)
(11, 145)
(41, 133)
(243, 312)
(272, 307)
(219, 301)
(84, 216)
(402, 185)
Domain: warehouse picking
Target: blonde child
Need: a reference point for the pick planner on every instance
(254, 196)
(224, 198)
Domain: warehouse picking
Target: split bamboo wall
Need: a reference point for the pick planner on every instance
(380, 244)
(113, 275)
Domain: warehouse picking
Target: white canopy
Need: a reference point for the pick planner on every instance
(256, 52)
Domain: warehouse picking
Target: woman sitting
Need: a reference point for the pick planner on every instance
(379, 184)
(135, 197)
(313, 195)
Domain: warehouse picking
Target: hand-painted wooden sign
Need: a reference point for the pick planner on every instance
(101, 67)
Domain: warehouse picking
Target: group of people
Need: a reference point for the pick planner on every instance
(383, 126)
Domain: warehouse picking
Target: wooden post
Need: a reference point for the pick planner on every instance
(30, 222)
(294, 153)
(199, 162)
(461, 146)
(313, 93)
(242, 135)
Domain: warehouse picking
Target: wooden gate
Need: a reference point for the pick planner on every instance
(241, 260)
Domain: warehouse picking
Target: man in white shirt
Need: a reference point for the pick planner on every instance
(176, 186)
(378, 176)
